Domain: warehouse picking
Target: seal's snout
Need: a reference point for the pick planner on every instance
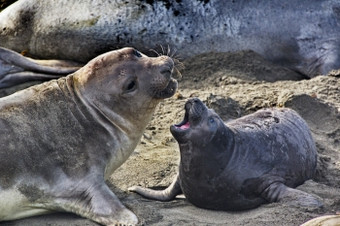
(167, 71)
(168, 66)
(193, 114)
(164, 78)
(196, 110)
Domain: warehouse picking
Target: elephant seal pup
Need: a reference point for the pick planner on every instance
(301, 35)
(240, 165)
(61, 139)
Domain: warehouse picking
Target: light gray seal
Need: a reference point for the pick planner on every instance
(326, 220)
(302, 35)
(242, 164)
(61, 139)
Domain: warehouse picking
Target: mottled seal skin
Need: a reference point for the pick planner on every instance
(303, 35)
(61, 139)
(240, 165)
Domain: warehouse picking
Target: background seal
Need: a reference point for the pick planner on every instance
(302, 35)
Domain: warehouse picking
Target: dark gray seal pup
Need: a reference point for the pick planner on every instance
(61, 139)
(240, 165)
(302, 35)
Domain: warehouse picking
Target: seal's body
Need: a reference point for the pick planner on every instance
(326, 220)
(61, 139)
(303, 35)
(242, 164)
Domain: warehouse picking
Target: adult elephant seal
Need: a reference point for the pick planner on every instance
(303, 35)
(61, 139)
(240, 165)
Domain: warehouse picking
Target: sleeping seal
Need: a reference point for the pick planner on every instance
(240, 165)
(61, 139)
(302, 35)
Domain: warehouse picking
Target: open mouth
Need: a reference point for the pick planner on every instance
(185, 124)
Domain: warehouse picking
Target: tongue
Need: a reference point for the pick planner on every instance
(185, 126)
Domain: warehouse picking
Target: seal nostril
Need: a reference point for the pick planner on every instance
(195, 100)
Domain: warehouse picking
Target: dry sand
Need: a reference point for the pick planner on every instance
(234, 84)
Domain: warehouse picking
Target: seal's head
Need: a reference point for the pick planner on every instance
(203, 138)
(200, 124)
(126, 85)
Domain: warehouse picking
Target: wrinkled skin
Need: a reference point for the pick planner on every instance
(303, 35)
(240, 165)
(61, 139)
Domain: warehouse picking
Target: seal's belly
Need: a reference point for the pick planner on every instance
(14, 205)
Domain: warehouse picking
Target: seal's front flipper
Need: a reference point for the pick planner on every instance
(97, 203)
(16, 69)
(163, 195)
(278, 192)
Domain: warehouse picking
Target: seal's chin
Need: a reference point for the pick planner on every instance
(169, 90)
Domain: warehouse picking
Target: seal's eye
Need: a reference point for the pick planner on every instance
(137, 53)
(211, 120)
(131, 86)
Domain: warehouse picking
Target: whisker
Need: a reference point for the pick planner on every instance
(162, 50)
(152, 50)
(178, 73)
(178, 63)
(174, 53)
(168, 53)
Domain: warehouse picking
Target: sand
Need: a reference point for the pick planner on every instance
(234, 84)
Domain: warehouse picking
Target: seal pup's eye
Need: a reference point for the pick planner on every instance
(137, 53)
(211, 120)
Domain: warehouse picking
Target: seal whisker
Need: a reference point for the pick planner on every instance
(169, 50)
(162, 49)
(174, 53)
(154, 51)
(178, 73)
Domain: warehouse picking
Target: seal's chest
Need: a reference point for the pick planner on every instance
(120, 155)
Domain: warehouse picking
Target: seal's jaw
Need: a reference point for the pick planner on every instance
(180, 130)
(194, 110)
(185, 124)
(169, 90)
